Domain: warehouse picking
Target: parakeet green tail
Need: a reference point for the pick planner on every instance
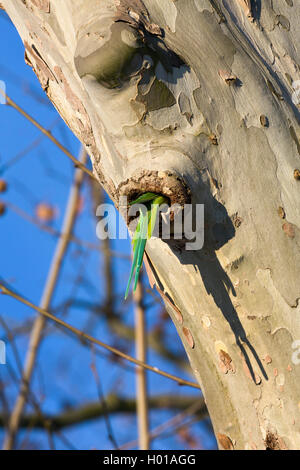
(144, 230)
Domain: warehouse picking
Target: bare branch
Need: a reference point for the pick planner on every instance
(52, 231)
(114, 405)
(90, 338)
(39, 324)
(77, 163)
(141, 378)
(195, 409)
(103, 403)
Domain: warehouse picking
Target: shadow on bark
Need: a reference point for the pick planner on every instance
(256, 9)
(217, 283)
(219, 229)
(282, 92)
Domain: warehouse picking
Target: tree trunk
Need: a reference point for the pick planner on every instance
(198, 97)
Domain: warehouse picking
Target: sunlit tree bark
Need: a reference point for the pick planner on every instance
(200, 98)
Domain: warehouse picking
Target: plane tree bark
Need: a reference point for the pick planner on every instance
(198, 99)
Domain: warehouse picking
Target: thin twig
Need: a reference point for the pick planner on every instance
(141, 377)
(102, 400)
(56, 233)
(31, 398)
(90, 338)
(77, 163)
(25, 151)
(110, 283)
(115, 405)
(38, 326)
(178, 418)
(5, 405)
(65, 440)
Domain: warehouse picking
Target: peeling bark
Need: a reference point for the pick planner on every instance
(145, 86)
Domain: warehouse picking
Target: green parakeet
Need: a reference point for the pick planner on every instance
(144, 230)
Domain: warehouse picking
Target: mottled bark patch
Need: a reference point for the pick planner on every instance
(268, 359)
(83, 122)
(134, 12)
(81, 125)
(189, 337)
(281, 212)
(264, 120)
(297, 174)
(213, 138)
(295, 138)
(228, 77)
(225, 441)
(185, 106)
(226, 363)
(236, 220)
(283, 22)
(274, 442)
(289, 230)
(130, 52)
(247, 7)
(169, 301)
(158, 97)
(34, 59)
(43, 5)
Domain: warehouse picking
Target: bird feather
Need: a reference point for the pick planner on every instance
(144, 231)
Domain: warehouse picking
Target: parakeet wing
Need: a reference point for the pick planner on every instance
(154, 209)
(144, 230)
(135, 243)
(146, 197)
(139, 243)
(141, 246)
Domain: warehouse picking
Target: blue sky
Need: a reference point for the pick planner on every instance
(63, 376)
